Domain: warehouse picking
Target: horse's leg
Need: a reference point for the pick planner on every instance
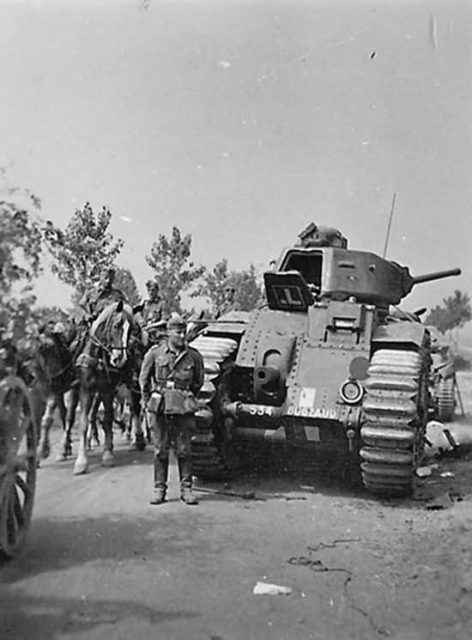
(107, 399)
(92, 435)
(139, 443)
(65, 447)
(81, 463)
(62, 410)
(44, 446)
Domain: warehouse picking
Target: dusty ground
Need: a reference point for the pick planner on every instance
(100, 563)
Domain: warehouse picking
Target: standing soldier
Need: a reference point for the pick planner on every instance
(171, 376)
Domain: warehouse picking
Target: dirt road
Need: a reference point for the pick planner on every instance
(101, 563)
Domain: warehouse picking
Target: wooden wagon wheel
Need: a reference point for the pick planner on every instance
(18, 441)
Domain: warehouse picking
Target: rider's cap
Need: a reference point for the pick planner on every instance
(176, 322)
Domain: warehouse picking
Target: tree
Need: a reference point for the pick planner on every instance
(248, 293)
(455, 312)
(45, 313)
(84, 249)
(20, 255)
(125, 281)
(174, 271)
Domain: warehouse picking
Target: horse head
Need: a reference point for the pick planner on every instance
(113, 332)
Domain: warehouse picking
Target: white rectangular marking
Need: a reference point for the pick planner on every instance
(307, 398)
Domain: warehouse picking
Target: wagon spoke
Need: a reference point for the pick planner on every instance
(23, 485)
(13, 527)
(18, 510)
(21, 463)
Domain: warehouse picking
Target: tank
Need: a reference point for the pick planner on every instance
(327, 365)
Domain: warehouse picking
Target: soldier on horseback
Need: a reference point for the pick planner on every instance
(94, 301)
(151, 316)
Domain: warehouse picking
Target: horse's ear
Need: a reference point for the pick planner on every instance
(119, 306)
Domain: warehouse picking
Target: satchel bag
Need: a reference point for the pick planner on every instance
(154, 404)
(178, 402)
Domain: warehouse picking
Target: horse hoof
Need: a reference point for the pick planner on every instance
(45, 451)
(139, 444)
(80, 468)
(108, 459)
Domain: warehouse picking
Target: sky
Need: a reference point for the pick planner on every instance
(242, 121)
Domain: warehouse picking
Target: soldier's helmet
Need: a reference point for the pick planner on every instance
(152, 285)
(176, 322)
(59, 328)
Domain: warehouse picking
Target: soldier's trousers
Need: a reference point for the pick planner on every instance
(175, 432)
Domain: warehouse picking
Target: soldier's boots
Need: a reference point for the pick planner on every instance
(160, 478)
(187, 496)
(159, 496)
(185, 473)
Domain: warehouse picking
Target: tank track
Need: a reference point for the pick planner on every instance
(209, 458)
(393, 421)
(446, 399)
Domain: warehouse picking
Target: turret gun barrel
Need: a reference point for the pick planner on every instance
(437, 275)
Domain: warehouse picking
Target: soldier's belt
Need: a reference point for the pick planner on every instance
(172, 384)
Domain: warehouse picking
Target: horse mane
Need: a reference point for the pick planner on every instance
(104, 316)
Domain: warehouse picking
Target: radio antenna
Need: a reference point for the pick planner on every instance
(390, 218)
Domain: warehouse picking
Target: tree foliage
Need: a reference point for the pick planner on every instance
(20, 256)
(173, 268)
(125, 281)
(84, 249)
(248, 293)
(455, 312)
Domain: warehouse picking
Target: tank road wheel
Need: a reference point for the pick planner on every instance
(446, 399)
(394, 421)
(17, 465)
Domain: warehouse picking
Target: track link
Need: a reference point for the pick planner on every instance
(392, 430)
(446, 399)
(208, 444)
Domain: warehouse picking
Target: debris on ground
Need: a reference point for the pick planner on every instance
(438, 439)
(444, 501)
(423, 472)
(267, 589)
(245, 495)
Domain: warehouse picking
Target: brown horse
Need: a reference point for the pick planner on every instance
(53, 367)
(111, 357)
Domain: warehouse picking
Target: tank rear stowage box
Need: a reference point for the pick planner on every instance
(325, 364)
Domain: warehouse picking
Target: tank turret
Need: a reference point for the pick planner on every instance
(337, 273)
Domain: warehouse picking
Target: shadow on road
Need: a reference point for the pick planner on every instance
(23, 617)
(57, 545)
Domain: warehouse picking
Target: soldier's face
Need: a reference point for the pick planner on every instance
(177, 338)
